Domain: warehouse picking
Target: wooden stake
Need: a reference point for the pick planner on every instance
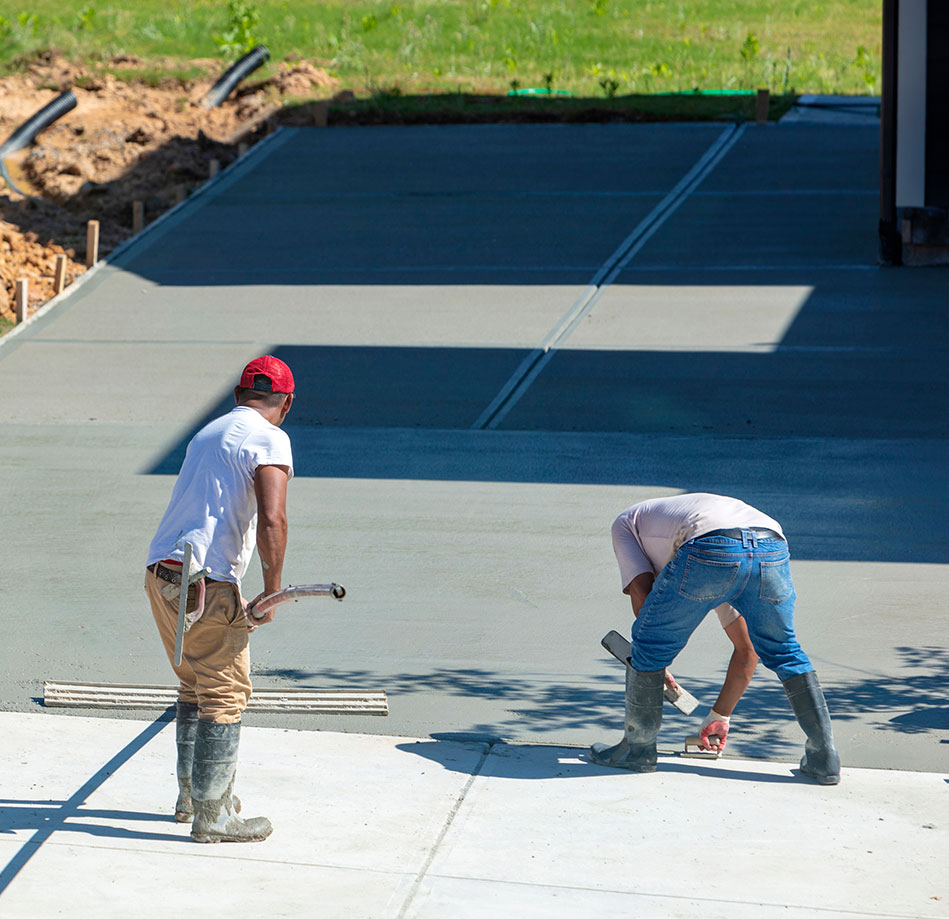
(242, 148)
(321, 111)
(213, 168)
(92, 243)
(179, 194)
(22, 299)
(138, 216)
(762, 104)
(59, 275)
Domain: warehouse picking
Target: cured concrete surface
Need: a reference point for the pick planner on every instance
(386, 827)
(749, 346)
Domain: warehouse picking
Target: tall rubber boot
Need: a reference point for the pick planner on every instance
(637, 750)
(212, 776)
(820, 760)
(186, 723)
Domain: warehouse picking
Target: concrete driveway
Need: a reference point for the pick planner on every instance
(502, 336)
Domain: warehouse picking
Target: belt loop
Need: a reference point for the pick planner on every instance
(749, 538)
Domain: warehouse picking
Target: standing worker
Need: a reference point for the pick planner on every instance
(680, 557)
(230, 495)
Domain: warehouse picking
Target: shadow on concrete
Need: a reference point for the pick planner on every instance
(46, 822)
(530, 761)
(596, 703)
(38, 815)
(784, 394)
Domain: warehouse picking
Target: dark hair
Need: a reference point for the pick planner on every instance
(270, 399)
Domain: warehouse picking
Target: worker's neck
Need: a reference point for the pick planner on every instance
(272, 413)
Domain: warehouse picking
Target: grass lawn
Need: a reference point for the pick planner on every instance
(591, 48)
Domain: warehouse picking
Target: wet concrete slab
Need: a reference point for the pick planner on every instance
(478, 561)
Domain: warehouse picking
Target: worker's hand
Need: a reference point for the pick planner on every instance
(252, 621)
(714, 731)
(671, 681)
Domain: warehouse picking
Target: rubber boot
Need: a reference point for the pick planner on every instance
(820, 760)
(212, 775)
(637, 750)
(186, 723)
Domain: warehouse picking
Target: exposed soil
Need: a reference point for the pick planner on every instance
(124, 142)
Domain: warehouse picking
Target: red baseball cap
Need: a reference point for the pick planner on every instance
(267, 374)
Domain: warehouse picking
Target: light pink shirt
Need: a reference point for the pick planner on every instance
(647, 535)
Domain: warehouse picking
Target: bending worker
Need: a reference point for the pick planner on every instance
(680, 557)
(230, 495)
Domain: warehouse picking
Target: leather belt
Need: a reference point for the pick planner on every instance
(165, 574)
(736, 533)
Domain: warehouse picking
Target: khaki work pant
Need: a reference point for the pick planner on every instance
(215, 654)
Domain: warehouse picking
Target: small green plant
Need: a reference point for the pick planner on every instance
(749, 49)
(86, 17)
(6, 29)
(369, 23)
(549, 82)
(609, 86)
(239, 36)
(864, 62)
(599, 7)
(515, 85)
(749, 54)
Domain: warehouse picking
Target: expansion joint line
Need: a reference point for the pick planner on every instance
(529, 369)
(423, 871)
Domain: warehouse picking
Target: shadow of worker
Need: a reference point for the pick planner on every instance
(488, 757)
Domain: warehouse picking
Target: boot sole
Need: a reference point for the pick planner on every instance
(604, 762)
(182, 817)
(213, 839)
(823, 779)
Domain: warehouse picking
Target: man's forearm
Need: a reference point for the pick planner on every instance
(741, 668)
(271, 547)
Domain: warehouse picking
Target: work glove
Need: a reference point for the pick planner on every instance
(714, 730)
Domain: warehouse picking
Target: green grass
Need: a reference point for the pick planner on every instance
(5, 325)
(589, 47)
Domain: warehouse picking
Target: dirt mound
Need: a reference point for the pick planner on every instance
(124, 142)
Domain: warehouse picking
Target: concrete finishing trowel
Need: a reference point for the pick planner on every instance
(619, 647)
(695, 750)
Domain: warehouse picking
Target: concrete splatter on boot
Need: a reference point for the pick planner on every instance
(820, 760)
(215, 808)
(637, 750)
(186, 723)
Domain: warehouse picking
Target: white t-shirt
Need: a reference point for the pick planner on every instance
(647, 535)
(213, 505)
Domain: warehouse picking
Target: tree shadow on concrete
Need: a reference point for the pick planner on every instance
(595, 704)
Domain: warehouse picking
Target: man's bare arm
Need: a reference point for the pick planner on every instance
(741, 668)
(270, 486)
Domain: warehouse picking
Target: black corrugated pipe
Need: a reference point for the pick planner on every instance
(234, 74)
(24, 134)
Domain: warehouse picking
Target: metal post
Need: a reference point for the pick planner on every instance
(183, 602)
(891, 244)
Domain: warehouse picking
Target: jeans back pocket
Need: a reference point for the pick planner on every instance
(776, 585)
(707, 580)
